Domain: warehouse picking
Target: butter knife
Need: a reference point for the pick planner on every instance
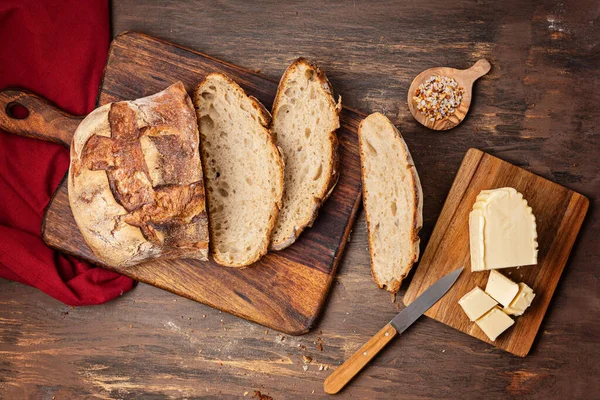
(345, 372)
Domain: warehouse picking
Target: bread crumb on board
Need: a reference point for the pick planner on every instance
(258, 395)
(323, 367)
(319, 343)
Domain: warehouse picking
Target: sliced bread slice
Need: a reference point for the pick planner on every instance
(305, 118)
(393, 201)
(243, 171)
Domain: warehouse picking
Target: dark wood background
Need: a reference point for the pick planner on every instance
(537, 108)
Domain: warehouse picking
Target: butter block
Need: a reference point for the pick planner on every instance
(521, 302)
(476, 239)
(494, 323)
(476, 303)
(502, 289)
(502, 231)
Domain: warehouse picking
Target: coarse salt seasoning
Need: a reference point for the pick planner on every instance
(438, 97)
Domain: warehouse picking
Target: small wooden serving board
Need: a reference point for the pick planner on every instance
(559, 214)
(285, 290)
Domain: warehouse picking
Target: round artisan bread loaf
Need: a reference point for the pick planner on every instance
(135, 182)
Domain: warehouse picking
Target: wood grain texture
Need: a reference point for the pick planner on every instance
(535, 109)
(466, 79)
(284, 290)
(559, 213)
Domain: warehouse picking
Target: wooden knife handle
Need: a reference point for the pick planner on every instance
(345, 372)
(45, 121)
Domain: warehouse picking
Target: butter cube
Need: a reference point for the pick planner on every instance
(494, 323)
(521, 302)
(502, 289)
(476, 303)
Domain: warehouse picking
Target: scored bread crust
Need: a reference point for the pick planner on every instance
(417, 212)
(125, 224)
(263, 119)
(334, 158)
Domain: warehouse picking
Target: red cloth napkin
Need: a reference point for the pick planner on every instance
(57, 49)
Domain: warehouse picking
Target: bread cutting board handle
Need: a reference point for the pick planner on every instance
(44, 120)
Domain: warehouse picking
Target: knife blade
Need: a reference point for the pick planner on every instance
(345, 372)
(425, 301)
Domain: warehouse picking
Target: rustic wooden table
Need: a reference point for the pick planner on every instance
(537, 108)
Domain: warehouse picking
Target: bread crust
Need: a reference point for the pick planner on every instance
(334, 157)
(264, 120)
(135, 181)
(417, 212)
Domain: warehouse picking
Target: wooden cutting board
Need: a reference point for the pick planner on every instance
(285, 290)
(559, 214)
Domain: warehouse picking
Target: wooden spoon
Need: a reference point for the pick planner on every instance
(464, 77)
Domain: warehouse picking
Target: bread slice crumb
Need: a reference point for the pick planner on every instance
(305, 118)
(393, 201)
(243, 171)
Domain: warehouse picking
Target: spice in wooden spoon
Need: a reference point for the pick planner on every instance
(439, 98)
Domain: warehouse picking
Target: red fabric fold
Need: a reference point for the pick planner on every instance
(58, 50)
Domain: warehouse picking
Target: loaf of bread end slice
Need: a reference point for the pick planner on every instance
(243, 171)
(305, 118)
(393, 201)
